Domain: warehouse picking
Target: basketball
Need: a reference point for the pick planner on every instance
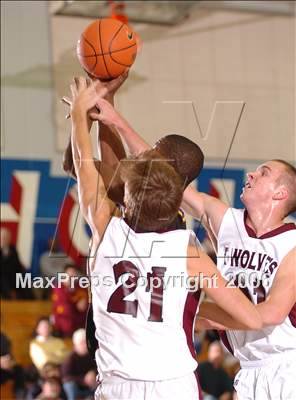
(106, 48)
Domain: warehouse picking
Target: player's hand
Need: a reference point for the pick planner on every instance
(115, 84)
(107, 115)
(85, 94)
(112, 86)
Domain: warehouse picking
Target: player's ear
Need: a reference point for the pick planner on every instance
(281, 193)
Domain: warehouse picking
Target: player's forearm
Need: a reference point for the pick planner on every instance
(282, 295)
(270, 315)
(217, 318)
(193, 203)
(203, 324)
(80, 140)
(110, 143)
(112, 149)
(67, 164)
(132, 139)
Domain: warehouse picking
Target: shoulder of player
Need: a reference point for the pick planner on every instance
(101, 221)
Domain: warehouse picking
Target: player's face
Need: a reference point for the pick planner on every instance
(262, 184)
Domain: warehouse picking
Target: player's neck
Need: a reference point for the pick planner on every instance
(263, 221)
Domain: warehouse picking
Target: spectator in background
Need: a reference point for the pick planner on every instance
(51, 390)
(45, 348)
(214, 381)
(5, 344)
(10, 266)
(12, 379)
(34, 381)
(51, 263)
(69, 304)
(53, 260)
(79, 370)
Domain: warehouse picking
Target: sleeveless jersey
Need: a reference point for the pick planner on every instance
(141, 304)
(251, 263)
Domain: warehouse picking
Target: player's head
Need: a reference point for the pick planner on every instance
(272, 185)
(186, 156)
(153, 191)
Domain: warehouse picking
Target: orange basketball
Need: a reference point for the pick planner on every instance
(106, 48)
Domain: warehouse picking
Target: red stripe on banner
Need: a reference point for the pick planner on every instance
(213, 191)
(16, 195)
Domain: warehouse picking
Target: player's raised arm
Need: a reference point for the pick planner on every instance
(205, 208)
(112, 149)
(94, 203)
(282, 296)
(109, 141)
(109, 116)
(230, 299)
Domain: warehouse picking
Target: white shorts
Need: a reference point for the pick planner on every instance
(274, 380)
(184, 388)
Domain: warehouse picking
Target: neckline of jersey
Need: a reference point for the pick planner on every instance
(283, 228)
(165, 230)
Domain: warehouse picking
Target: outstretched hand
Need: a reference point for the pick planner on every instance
(115, 84)
(107, 115)
(85, 94)
(105, 89)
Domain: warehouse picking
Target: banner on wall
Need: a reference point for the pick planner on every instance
(36, 206)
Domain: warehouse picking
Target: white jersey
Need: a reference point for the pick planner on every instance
(141, 305)
(252, 263)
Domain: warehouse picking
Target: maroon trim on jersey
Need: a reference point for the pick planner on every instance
(189, 313)
(200, 396)
(281, 229)
(224, 338)
(178, 223)
(292, 316)
(139, 230)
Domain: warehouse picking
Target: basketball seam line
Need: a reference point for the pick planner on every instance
(107, 54)
(110, 44)
(117, 62)
(93, 50)
(110, 76)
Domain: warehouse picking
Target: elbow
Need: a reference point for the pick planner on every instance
(255, 323)
(274, 319)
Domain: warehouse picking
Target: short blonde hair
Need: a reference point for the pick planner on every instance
(154, 191)
(288, 179)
